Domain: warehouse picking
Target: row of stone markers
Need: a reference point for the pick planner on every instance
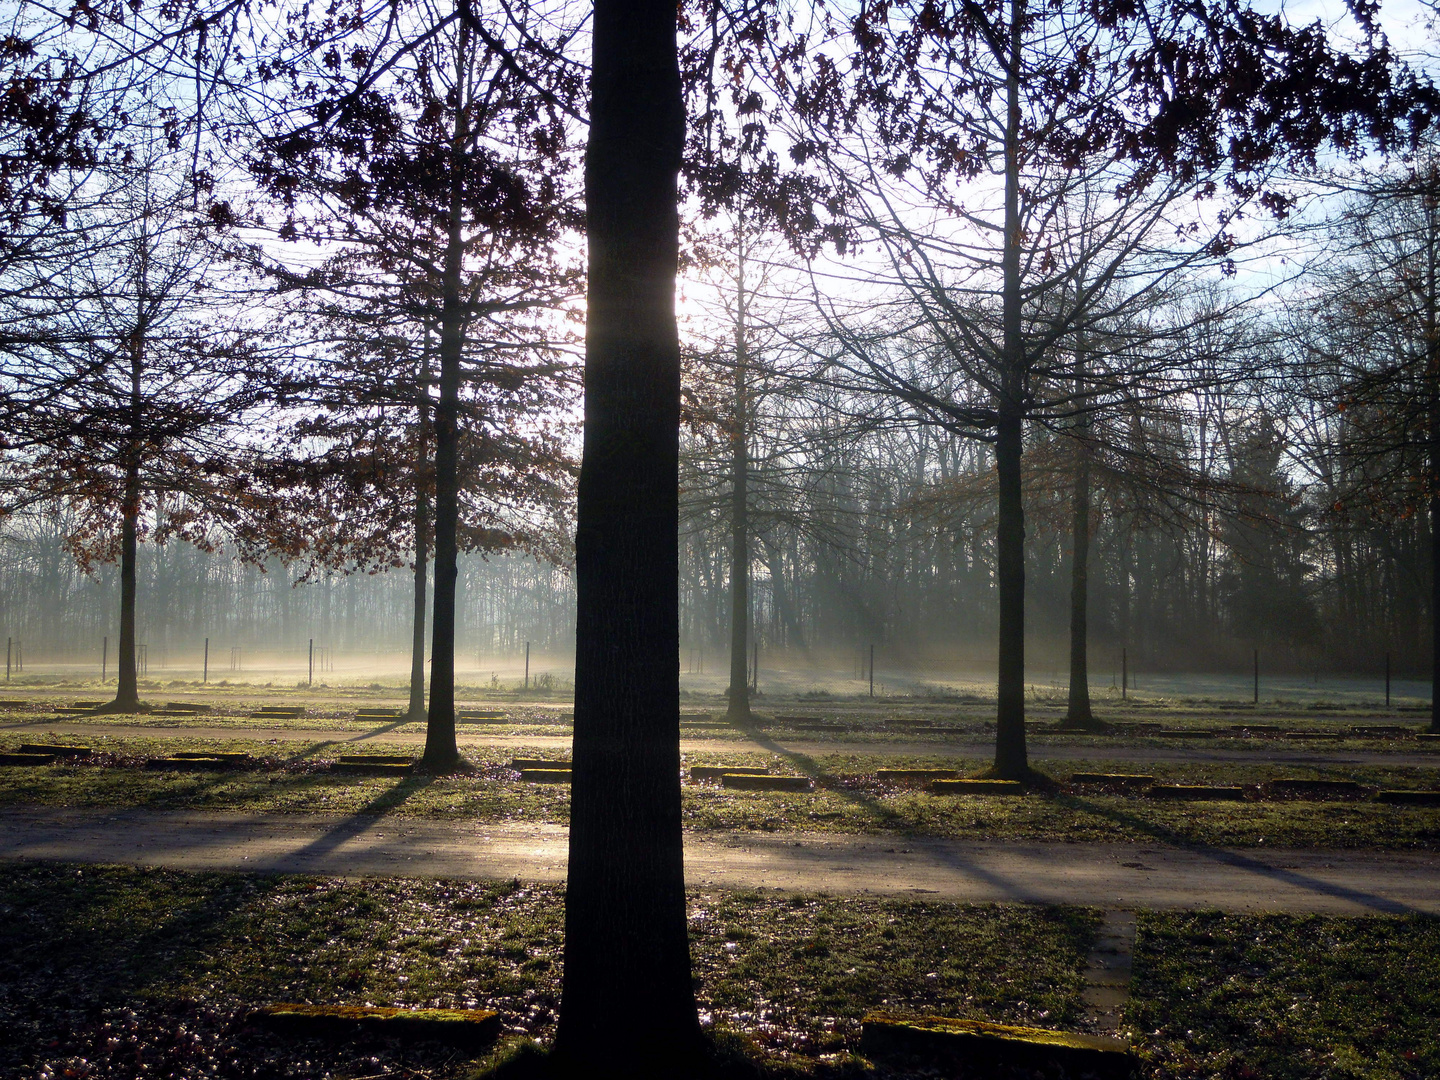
(760, 778)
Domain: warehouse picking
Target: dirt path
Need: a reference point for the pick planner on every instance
(1108, 875)
(967, 747)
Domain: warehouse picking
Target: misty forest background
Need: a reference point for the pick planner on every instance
(1253, 438)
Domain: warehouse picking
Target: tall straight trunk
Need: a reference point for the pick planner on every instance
(740, 506)
(1079, 713)
(627, 1004)
(1434, 449)
(422, 541)
(441, 751)
(1011, 761)
(127, 689)
(1432, 378)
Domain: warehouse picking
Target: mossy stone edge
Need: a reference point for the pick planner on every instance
(460, 1027)
(981, 1042)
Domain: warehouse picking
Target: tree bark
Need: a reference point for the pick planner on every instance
(1431, 330)
(627, 1004)
(1011, 760)
(1079, 713)
(422, 544)
(441, 751)
(1434, 562)
(739, 710)
(127, 689)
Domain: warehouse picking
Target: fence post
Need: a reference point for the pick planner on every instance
(312, 661)
(205, 669)
(527, 665)
(104, 657)
(1124, 673)
(872, 670)
(1257, 676)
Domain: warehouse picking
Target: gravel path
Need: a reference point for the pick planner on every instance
(1106, 875)
(964, 747)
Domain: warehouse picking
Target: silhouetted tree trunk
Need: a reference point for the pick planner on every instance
(422, 542)
(740, 507)
(441, 751)
(1432, 377)
(1079, 713)
(1011, 761)
(127, 689)
(627, 1004)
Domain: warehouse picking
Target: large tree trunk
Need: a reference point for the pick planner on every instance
(1079, 713)
(1011, 761)
(422, 550)
(1434, 563)
(127, 690)
(441, 752)
(739, 692)
(627, 1004)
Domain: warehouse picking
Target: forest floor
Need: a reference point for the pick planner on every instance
(1276, 936)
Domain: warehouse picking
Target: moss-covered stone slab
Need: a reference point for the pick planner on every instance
(793, 718)
(992, 1046)
(13, 703)
(230, 757)
(56, 750)
(481, 716)
(1183, 733)
(198, 763)
(977, 787)
(1407, 797)
(1427, 739)
(1305, 785)
(377, 714)
(183, 708)
(27, 759)
(1211, 792)
(751, 782)
(375, 759)
(278, 712)
(716, 772)
(75, 710)
(457, 1027)
(820, 725)
(695, 716)
(546, 776)
(915, 776)
(523, 763)
(1257, 729)
(373, 768)
(1384, 731)
(1316, 736)
(1126, 780)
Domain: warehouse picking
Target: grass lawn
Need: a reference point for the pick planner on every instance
(848, 796)
(1287, 997)
(118, 968)
(117, 972)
